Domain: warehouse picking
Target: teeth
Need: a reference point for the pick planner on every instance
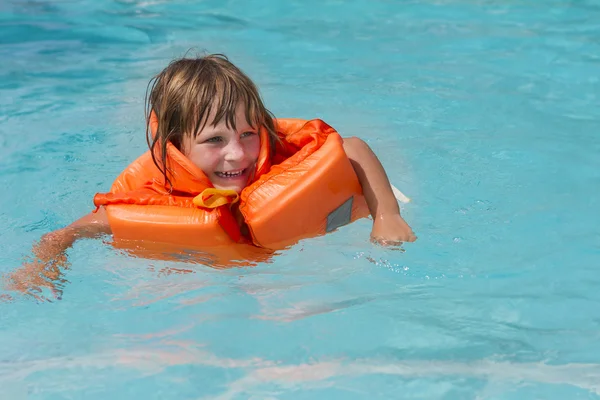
(230, 174)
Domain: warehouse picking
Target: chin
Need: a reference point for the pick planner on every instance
(236, 188)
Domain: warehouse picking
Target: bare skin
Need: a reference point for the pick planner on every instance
(45, 269)
(389, 228)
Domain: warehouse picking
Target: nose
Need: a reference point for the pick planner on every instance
(234, 151)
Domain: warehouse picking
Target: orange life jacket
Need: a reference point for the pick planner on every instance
(307, 188)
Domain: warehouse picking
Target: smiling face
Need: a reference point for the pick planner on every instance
(209, 110)
(226, 154)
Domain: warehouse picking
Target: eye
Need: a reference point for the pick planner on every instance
(248, 134)
(215, 139)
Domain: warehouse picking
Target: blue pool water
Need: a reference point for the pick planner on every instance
(486, 113)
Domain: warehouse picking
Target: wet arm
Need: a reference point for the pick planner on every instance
(388, 225)
(45, 269)
(55, 243)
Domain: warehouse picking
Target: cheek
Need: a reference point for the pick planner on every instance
(252, 147)
(204, 157)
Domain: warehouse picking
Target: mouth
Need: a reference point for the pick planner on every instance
(231, 174)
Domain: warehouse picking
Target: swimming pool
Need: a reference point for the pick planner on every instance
(485, 113)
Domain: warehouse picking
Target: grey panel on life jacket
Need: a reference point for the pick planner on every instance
(340, 216)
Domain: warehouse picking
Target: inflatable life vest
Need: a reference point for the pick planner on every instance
(306, 188)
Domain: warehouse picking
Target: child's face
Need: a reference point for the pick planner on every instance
(225, 155)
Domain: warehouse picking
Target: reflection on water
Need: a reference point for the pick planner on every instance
(276, 377)
(484, 112)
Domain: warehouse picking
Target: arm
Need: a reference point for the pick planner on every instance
(52, 245)
(388, 226)
(44, 270)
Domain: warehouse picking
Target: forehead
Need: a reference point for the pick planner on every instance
(237, 116)
(222, 115)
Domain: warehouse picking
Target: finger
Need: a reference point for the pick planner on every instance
(6, 298)
(386, 242)
(57, 293)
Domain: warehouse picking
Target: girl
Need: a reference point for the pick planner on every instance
(211, 112)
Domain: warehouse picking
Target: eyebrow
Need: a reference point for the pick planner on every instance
(218, 132)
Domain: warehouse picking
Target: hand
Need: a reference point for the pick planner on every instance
(45, 270)
(33, 277)
(391, 230)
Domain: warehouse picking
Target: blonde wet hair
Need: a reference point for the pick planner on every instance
(184, 94)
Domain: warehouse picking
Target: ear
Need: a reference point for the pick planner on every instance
(153, 123)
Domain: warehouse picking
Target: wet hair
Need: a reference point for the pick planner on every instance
(185, 93)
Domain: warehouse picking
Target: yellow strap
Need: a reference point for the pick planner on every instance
(213, 198)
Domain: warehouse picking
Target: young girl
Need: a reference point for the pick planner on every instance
(211, 112)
